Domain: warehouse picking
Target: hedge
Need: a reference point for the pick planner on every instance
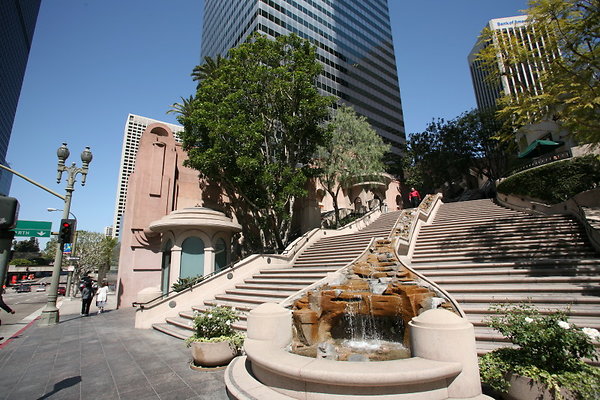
(557, 181)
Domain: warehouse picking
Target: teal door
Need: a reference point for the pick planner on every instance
(192, 258)
(220, 255)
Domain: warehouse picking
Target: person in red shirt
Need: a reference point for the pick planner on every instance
(414, 197)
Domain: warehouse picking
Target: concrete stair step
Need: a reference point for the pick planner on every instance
(290, 282)
(492, 282)
(501, 248)
(287, 287)
(296, 270)
(172, 330)
(274, 296)
(482, 256)
(563, 263)
(183, 323)
(486, 229)
(243, 308)
(501, 243)
(532, 289)
(479, 320)
(247, 299)
(539, 299)
(506, 272)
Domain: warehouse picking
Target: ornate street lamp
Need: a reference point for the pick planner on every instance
(50, 314)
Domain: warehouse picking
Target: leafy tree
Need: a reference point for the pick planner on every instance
(448, 150)
(354, 150)
(94, 250)
(30, 245)
(568, 66)
(254, 124)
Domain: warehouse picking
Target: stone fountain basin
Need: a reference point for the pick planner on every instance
(302, 377)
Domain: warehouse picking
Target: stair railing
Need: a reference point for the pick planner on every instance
(227, 269)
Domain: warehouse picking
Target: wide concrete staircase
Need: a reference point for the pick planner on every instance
(483, 254)
(274, 285)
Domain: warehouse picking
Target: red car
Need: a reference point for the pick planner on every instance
(62, 290)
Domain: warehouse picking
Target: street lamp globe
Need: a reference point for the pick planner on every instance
(86, 155)
(63, 153)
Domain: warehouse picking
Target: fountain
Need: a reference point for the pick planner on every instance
(362, 314)
(373, 330)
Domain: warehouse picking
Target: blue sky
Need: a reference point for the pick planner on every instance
(93, 62)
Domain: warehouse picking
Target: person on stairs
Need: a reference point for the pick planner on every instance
(414, 197)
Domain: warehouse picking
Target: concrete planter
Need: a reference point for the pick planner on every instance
(212, 354)
(524, 388)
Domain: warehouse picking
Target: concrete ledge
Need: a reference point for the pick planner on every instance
(382, 373)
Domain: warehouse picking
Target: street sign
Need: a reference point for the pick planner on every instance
(33, 228)
(72, 258)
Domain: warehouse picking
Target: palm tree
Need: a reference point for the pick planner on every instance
(207, 68)
(184, 108)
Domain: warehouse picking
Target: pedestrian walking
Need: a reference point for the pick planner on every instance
(102, 297)
(87, 294)
(414, 197)
(5, 307)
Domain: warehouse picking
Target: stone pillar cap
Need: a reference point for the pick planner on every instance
(437, 318)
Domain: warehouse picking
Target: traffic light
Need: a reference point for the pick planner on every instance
(9, 210)
(67, 229)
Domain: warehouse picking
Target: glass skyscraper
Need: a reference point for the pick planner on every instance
(17, 24)
(353, 40)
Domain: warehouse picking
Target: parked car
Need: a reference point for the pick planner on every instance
(23, 288)
(40, 288)
(62, 290)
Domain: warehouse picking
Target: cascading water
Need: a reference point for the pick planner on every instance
(362, 315)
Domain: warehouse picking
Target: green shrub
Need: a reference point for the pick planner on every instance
(550, 351)
(215, 325)
(557, 181)
(184, 283)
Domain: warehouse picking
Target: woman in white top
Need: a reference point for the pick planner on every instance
(102, 297)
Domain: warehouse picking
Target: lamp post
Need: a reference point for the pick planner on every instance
(70, 275)
(50, 314)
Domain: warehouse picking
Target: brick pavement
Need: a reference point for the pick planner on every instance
(101, 357)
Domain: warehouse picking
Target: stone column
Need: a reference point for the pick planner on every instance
(270, 322)
(175, 265)
(441, 335)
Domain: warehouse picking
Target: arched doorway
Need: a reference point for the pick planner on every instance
(220, 255)
(192, 257)
(166, 267)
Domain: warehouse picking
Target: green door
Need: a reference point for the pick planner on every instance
(192, 258)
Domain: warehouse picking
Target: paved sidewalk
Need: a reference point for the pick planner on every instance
(101, 356)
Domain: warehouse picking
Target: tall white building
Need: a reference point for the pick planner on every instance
(134, 127)
(520, 77)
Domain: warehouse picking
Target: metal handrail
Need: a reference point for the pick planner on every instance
(191, 286)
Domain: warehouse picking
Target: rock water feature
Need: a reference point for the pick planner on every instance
(363, 314)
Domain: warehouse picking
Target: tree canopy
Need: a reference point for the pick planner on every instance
(253, 126)
(354, 150)
(567, 66)
(447, 151)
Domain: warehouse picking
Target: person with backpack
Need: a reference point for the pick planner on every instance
(87, 294)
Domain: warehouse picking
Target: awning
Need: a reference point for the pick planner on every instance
(539, 147)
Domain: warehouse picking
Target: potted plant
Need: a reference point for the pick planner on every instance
(215, 342)
(547, 361)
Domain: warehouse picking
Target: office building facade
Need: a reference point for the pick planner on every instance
(134, 127)
(522, 77)
(353, 40)
(17, 25)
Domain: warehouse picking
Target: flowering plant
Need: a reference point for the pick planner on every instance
(215, 325)
(549, 350)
